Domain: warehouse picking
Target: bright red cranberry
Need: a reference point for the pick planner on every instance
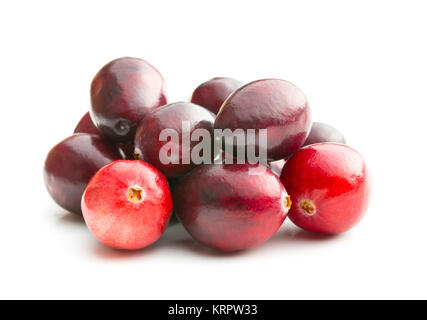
(127, 204)
(277, 166)
(173, 117)
(321, 132)
(329, 186)
(70, 165)
(122, 93)
(86, 125)
(212, 93)
(226, 208)
(272, 104)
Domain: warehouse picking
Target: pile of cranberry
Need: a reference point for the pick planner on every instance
(110, 171)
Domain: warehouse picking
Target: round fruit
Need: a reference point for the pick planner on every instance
(70, 165)
(329, 186)
(231, 207)
(122, 93)
(163, 137)
(321, 132)
(86, 125)
(212, 93)
(127, 204)
(272, 104)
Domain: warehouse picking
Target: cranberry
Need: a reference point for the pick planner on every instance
(212, 93)
(70, 165)
(172, 117)
(329, 186)
(86, 125)
(226, 208)
(321, 132)
(272, 104)
(127, 204)
(122, 93)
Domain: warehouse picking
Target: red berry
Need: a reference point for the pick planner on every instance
(212, 93)
(122, 93)
(70, 165)
(272, 104)
(172, 117)
(127, 204)
(226, 208)
(329, 187)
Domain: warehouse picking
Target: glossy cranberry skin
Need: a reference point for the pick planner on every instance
(272, 104)
(212, 93)
(329, 187)
(127, 204)
(70, 165)
(226, 208)
(86, 125)
(122, 93)
(172, 117)
(321, 132)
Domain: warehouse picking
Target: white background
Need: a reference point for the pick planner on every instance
(362, 65)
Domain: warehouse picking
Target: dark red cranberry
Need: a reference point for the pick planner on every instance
(329, 186)
(272, 104)
(86, 125)
(321, 132)
(122, 93)
(127, 204)
(70, 165)
(212, 93)
(172, 117)
(226, 208)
